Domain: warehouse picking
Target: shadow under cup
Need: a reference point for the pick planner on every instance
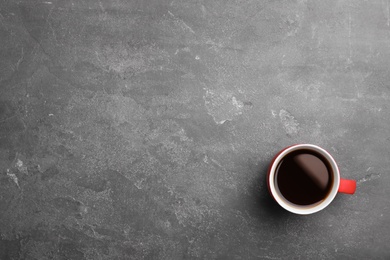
(303, 178)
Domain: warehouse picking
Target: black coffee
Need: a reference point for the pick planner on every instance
(304, 177)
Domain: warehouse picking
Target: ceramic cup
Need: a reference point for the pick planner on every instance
(338, 184)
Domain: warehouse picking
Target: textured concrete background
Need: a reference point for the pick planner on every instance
(143, 129)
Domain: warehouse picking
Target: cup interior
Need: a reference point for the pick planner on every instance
(303, 209)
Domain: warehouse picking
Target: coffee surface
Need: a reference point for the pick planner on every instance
(304, 177)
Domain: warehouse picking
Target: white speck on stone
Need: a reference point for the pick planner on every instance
(197, 57)
(222, 121)
(205, 159)
(51, 115)
(216, 163)
(222, 105)
(139, 184)
(369, 177)
(19, 163)
(290, 124)
(238, 104)
(20, 166)
(84, 209)
(273, 112)
(13, 177)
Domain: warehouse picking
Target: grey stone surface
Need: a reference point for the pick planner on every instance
(143, 129)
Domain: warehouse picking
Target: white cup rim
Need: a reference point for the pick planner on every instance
(298, 209)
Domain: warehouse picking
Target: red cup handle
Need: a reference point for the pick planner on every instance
(347, 186)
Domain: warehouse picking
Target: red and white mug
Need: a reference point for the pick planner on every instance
(338, 184)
